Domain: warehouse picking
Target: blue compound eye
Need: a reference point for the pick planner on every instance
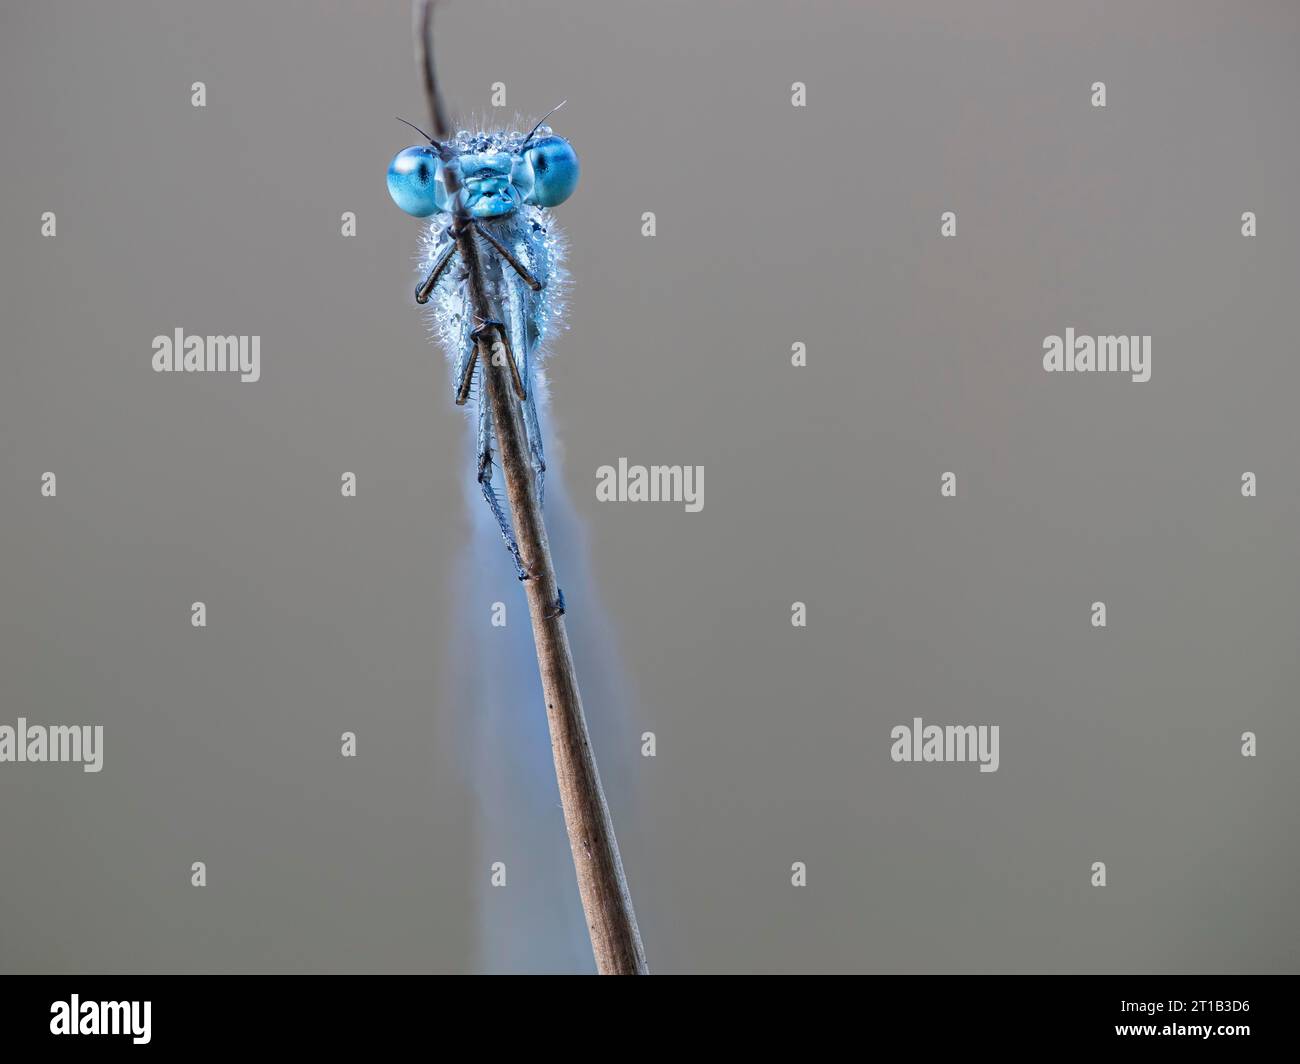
(415, 181)
(555, 171)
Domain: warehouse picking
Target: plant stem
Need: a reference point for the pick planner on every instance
(611, 922)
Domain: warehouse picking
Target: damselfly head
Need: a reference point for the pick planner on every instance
(487, 183)
(499, 172)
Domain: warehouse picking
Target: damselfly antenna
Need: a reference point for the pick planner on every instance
(417, 129)
(535, 128)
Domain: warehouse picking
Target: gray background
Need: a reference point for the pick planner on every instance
(822, 484)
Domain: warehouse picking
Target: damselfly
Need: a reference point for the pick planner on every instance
(489, 194)
(496, 188)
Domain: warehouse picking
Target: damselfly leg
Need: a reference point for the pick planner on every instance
(465, 373)
(495, 334)
(533, 428)
(435, 275)
(485, 436)
(519, 268)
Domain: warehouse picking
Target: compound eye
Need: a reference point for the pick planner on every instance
(415, 181)
(555, 171)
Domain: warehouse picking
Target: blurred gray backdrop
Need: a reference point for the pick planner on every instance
(776, 225)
